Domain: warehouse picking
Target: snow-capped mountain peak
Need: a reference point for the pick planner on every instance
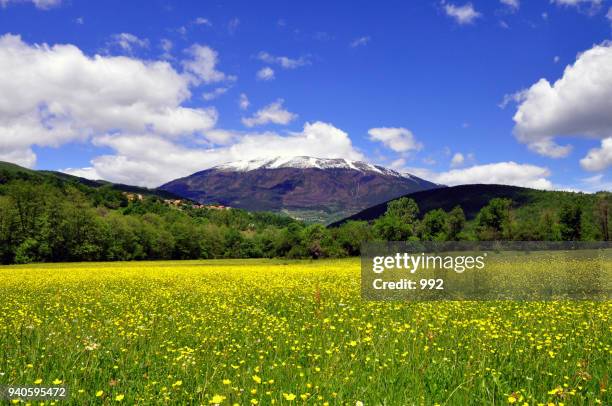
(306, 162)
(315, 189)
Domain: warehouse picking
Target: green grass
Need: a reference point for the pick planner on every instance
(263, 331)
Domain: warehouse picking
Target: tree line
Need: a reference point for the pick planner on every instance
(57, 222)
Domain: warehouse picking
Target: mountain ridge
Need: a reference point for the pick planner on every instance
(307, 188)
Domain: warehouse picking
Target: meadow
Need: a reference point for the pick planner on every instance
(280, 332)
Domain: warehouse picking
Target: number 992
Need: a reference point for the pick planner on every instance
(431, 284)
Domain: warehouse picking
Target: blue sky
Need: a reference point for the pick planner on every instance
(417, 86)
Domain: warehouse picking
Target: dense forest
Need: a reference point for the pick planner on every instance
(51, 219)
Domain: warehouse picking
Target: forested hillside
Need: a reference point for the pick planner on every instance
(49, 218)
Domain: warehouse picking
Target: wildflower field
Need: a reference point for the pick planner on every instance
(287, 333)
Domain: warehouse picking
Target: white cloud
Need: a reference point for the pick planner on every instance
(589, 7)
(243, 102)
(283, 61)
(79, 20)
(272, 113)
(128, 42)
(457, 160)
(598, 159)
(609, 14)
(150, 161)
(202, 65)
(24, 157)
(202, 21)
(398, 139)
(505, 173)
(512, 98)
(50, 95)
(266, 73)
(556, 59)
(576, 2)
(548, 147)
(361, 41)
(398, 163)
(41, 4)
(465, 14)
(220, 136)
(577, 104)
(215, 93)
(595, 183)
(512, 4)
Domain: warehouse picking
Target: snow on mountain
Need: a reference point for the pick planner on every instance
(313, 189)
(304, 162)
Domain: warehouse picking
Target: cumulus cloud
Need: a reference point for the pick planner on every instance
(41, 4)
(50, 95)
(398, 139)
(359, 42)
(24, 157)
(150, 161)
(128, 42)
(283, 61)
(577, 104)
(272, 113)
(203, 65)
(598, 159)
(465, 14)
(266, 73)
(505, 173)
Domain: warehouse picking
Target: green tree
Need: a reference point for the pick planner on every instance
(456, 223)
(570, 222)
(494, 221)
(549, 227)
(8, 229)
(351, 235)
(405, 209)
(435, 226)
(603, 213)
(399, 221)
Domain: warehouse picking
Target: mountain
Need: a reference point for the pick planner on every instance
(10, 171)
(472, 198)
(308, 188)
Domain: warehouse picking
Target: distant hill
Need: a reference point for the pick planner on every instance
(306, 188)
(471, 198)
(10, 171)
